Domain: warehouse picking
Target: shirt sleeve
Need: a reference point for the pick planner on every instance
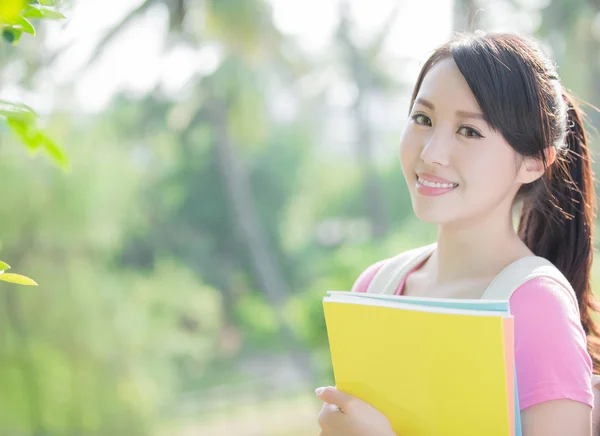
(551, 355)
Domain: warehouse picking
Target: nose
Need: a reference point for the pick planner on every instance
(436, 148)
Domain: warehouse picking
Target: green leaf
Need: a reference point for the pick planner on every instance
(34, 138)
(27, 26)
(11, 35)
(17, 279)
(38, 11)
(57, 154)
(10, 10)
(27, 133)
(8, 35)
(16, 111)
(23, 25)
(4, 266)
(47, 2)
(23, 129)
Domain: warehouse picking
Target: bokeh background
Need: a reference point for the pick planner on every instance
(230, 161)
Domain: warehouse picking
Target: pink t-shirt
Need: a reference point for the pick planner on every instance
(551, 357)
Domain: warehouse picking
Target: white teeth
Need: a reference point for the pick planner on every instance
(435, 184)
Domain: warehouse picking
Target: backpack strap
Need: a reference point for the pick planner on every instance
(394, 270)
(521, 271)
(390, 275)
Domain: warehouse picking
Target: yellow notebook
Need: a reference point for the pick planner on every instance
(433, 367)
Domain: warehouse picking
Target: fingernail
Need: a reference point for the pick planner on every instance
(318, 391)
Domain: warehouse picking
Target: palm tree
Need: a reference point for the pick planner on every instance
(244, 29)
(362, 66)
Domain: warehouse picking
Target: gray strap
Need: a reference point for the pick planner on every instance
(390, 275)
(521, 271)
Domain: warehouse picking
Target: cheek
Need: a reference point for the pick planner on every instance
(408, 150)
(489, 172)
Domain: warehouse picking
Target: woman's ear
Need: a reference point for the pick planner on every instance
(532, 168)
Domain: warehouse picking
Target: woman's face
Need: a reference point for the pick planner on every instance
(457, 168)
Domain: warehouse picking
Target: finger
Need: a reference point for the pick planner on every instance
(328, 415)
(333, 395)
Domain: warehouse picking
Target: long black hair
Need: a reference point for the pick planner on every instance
(518, 90)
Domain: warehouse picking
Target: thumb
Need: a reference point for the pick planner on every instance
(333, 395)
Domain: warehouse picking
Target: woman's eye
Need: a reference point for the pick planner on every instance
(469, 132)
(421, 119)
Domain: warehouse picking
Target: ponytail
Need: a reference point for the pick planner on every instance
(559, 223)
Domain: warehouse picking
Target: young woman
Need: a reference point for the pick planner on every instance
(491, 128)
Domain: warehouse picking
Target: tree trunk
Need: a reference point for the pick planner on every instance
(372, 195)
(249, 227)
(228, 336)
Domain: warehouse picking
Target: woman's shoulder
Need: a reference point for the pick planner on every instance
(366, 276)
(548, 293)
(546, 307)
(550, 344)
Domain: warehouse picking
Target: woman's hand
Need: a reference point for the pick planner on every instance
(345, 415)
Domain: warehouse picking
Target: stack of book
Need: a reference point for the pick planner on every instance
(432, 366)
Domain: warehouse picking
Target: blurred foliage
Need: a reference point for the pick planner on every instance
(15, 16)
(14, 20)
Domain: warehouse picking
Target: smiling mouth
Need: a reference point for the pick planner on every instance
(430, 184)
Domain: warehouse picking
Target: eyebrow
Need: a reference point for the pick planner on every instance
(462, 114)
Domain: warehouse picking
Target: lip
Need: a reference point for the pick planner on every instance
(429, 191)
(432, 178)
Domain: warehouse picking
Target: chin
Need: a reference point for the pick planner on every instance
(433, 215)
(430, 218)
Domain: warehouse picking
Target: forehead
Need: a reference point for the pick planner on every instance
(445, 87)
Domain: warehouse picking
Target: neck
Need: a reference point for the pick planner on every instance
(477, 251)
